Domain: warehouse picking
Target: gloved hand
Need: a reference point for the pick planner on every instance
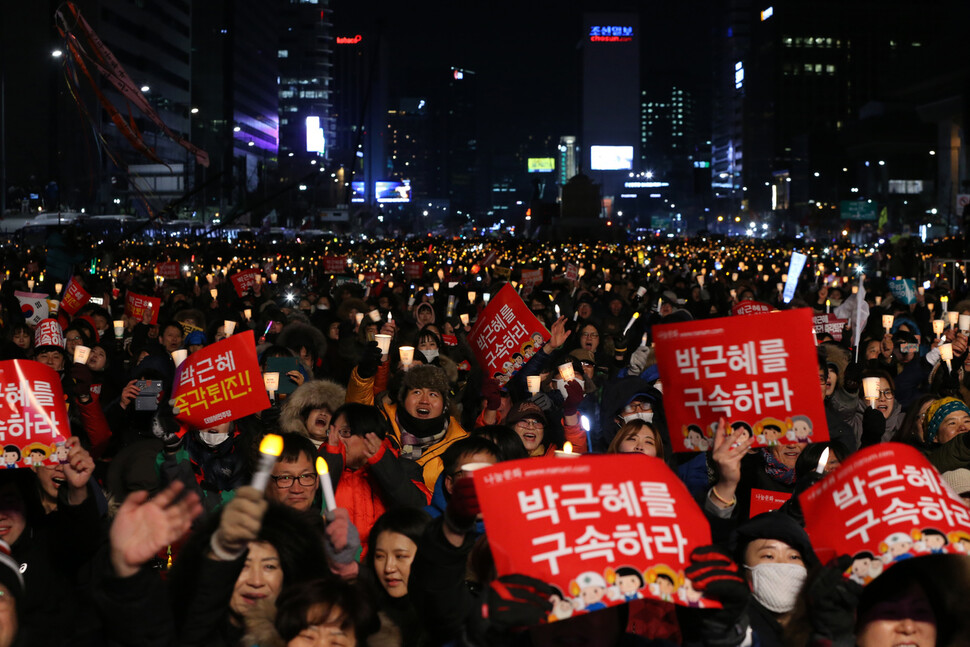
(517, 601)
(574, 397)
(492, 392)
(166, 428)
(343, 539)
(463, 506)
(715, 574)
(873, 427)
(640, 359)
(241, 520)
(81, 379)
(544, 401)
(832, 600)
(852, 378)
(369, 363)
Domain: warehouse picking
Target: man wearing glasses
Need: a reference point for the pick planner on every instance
(293, 482)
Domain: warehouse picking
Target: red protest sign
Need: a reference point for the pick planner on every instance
(33, 418)
(603, 529)
(413, 270)
(506, 335)
(136, 304)
(221, 382)
(884, 504)
(245, 280)
(167, 270)
(531, 278)
(572, 272)
(760, 370)
(335, 264)
(766, 501)
(750, 308)
(830, 324)
(74, 297)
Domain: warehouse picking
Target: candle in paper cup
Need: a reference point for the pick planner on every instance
(486, 297)
(870, 387)
(641, 291)
(946, 353)
(374, 315)
(471, 296)
(879, 300)
(214, 293)
(269, 450)
(780, 287)
(248, 313)
(271, 381)
(887, 322)
(384, 343)
(566, 372)
(119, 326)
(463, 317)
(229, 327)
(964, 323)
(855, 290)
(533, 381)
(30, 284)
(58, 287)
(407, 355)
(435, 286)
(609, 286)
(929, 306)
(81, 354)
(178, 356)
(953, 318)
(360, 317)
(938, 327)
(326, 485)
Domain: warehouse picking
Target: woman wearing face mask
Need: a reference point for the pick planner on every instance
(430, 346)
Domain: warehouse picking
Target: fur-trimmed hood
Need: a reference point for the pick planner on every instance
(261, 630)
(315, 393)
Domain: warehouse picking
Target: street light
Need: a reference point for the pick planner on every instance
(57, 53)
(145, 88)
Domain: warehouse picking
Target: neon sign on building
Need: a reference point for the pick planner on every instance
(610, 34)
(349, 40)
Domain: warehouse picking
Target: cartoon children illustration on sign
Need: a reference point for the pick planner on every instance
(629, 581)
(664, 582)
(770, 431)
(694, 439)
(690, 596)
(588, 591)
(36, 454)
(800, 429)
(932, 541)
(896, 547)
(864, 568)
(11, 456)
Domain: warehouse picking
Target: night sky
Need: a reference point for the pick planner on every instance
(526, 54)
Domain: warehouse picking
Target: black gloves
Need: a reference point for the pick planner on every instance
(166, 428)
(367, 367)
(463, 506)
(517, 601)
(873, 427)
(832, 601)
(715, 574)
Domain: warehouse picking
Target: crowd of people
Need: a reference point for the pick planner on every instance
(149, 532)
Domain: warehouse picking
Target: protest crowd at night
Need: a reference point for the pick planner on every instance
(485, 442)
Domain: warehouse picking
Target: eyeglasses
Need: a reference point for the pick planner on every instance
(639, 406)
(885, 395)
(530, 424)
(590, 335)
(285, 481)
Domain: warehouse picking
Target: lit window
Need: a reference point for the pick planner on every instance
(283, 53)
(818, 68)
(788, 41)
(830, 69)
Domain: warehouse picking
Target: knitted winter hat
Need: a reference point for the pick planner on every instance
(938, 411)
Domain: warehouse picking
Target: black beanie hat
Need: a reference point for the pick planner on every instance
(773, 525)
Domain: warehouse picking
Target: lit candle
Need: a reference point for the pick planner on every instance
(944, 301)
(879, 301)
(384, 343)
(471, 296)
(486, 297)
(887, 322)
(30, 284)
(58, 287)
(81, 354)
(566, 372)
(451, 305)
(533, 381)
(828, 306)
(464, 318)
(326, 486)
(964, 324)
(407, 355)
(822, 461)
(635, 316)
(119, 326)
(269, 450)
(567, 451)
(229, 327)
(953, 318)
(271, 381)
(946, 354)
(870, 386)
(359, 317)
(178, 356)
(938, 327)
(214, 293)
(248, 313)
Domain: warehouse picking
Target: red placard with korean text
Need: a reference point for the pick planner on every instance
(245, 280)
(750, 308)
(335, 264)
(33, 418)
(830, 324)
(413, 270)
(220, 383)
(136, 304)
(766, 501)
(168, 270)
(760, 370)
(886, 503)
(572, 272)
(506, 335)
(74, 297)
(531, 278)
(603, 529)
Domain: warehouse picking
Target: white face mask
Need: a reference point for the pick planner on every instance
(213, 439)
(776, 586)
(562, 386)
(646, 416)
(430, 355)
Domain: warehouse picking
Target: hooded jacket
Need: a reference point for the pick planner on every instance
(316, 394)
